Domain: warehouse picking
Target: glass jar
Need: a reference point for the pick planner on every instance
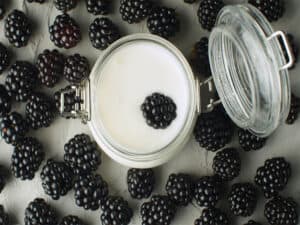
(249, 72)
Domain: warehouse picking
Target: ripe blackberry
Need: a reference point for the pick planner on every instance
(252, 222)
(65, 32)
(140, 182)
(38, 212)
(57, 179)
(3, 178)
(134, 11)
(294, 110)
(159, 110)
(180, 188)
(98, 7)
(103, 32)
(21, 80)
(51, 66)
(163, 21)
(159, 210)
(273, 176)
(5, 105)
(13, 127)
(27, 157)
(2, 9)
(65, 5)
(4, 219)
(281, 211)
(76, 68)
(208, 11)
(71, 220)
(116, 210)
(212, 216)
(213, 130)
(37, 1)
(272, 9)
(82, 154)
(207, 191)
(4, 58)
(242, 199)
(17, 28)
(40, 111)
(249, 141)
(90, 191)
(227, 164)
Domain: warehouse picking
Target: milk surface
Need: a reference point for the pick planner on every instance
(128, 76)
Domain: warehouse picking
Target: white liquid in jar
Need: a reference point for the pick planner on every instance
(131, 73)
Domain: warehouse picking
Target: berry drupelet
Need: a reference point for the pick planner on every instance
(71, 220)
(115, 210)
(163, 21)
(212, 216)
(27, 157)
(272, 9)
(13, 128)
(103, 32)
(65, 5)
(38, 212)
(242, 199)
(180, 188)
(4, 58)
(90, 191)
(252, 222)
(50, 65)
(282, 211)
(140, 182)
(22, 78)
(82, 154)
(273, 176)
(4, 218)
(134, 11)
(5, 104)
(227, 164)
(76, 68)
(159, 110)
(249, 141)
(208, 11)
(159, 210)
(98, 7)
(207, 191)
(17, 28)
(294, 110)
(65, 32)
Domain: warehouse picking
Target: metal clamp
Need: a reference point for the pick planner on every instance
(287, 48)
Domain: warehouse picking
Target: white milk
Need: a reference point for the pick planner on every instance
(131, 73)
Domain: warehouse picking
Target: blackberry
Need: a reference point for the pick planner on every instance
(242, 199)
(213, 130)
(40, 111)
(17, 28)
(98, 7)
(4, 219)
(273, 176)
(103, 32)
(57, 179)
(208, 11)
(227, 164)
(65, 5)
(252, 222)
(212, 216)
(76, 68)
(71, 220)
(207, 191)
(294, 110)
(27, 157)
(272, 9)
(5, 104)
(134, 11)
(180, 188)
(249, 141)
(159, 110)
(281, 211)
(163, 21)
(140, 182)
(65, 32)
(37, 1)
(82, 154)
(90, 191)
(21, 80)
(200, 59)
(116, 210)
(3, 179)
(4, 58)
(51, 66)
(159, 210)
(2, 10)
(13, 127)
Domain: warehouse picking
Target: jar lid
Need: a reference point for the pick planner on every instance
(250, 69)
